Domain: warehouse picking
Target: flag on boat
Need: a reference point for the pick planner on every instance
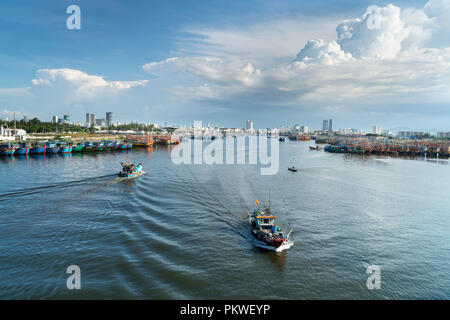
(256, 202)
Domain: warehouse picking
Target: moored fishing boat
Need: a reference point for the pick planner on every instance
(100, 146)
(7, 149)
(23, 149)
(123, 146)
(38, 149)
(108, 145)
(116, 145)
(78, 148)
(89, 146)
(265, 230)
(65, 147)
(51, 147)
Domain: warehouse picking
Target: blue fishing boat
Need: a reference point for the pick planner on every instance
(130, 170)
(38, 149)
(65, 147)
(7, 149)
(23, 149)
(51, 147)
(123, 146)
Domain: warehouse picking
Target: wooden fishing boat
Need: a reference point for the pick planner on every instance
(23, 149)
(65, 147)
(130, 170)
(264, 229)
(38, 149)
(78, 148)
(51, 147)
(7, 149)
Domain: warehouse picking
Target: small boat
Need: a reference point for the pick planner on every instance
(315, 148)
(100, 146)
(116, 145)
(282, 139)
(23, 149)
(108, 145)
(65, 147)
(38, 149)
(130, 170)
(89, 146)
(51, 147)
(7, 149)
(264, 229)
(293, 169)
(78, 148)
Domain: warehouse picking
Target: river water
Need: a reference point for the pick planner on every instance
(181, 231)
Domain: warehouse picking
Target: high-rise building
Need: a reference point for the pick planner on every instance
(100, 122)
(55, 119)
(377, 129)
(249, 125)
(66, 118)
(304, 129)
(325, 125)
(109, 118)
(330, 125)
(90, 119)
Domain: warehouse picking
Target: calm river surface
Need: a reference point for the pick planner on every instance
(181, 231)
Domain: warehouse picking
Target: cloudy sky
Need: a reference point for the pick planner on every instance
(362, 63)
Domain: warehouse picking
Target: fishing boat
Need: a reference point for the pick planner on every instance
(38, 149)
(65, 147)
(89, 146)
(315, 148)
(265, 230)
(51, 147)
(123, 146)
(293, 169)
(100, 146)
(116, 145)
(130, 170)
(108, 145)
(78, 148)
(23, 149)
(7, 149)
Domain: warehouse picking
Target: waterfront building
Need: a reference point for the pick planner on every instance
(376, 129)
(66, 118)
(109, 118)
(249, 125)
(330, 125)
(90, 119)
(100, 122)
(55, 119)
(325, 125)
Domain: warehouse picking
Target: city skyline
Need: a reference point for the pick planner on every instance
(220, 62)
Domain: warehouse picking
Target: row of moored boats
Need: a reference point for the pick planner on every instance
(54, 147)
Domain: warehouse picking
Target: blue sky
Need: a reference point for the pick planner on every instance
(276, 62)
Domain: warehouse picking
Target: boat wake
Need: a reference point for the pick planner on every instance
(34, 190)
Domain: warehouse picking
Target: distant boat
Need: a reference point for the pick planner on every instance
(282, 139)
(23, 149)
(38, 149)
(293, 169)
(51, 147)
(89, 146)
(78, 148)
(65, 147)
(7, 150)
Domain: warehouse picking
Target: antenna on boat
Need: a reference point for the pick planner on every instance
(269, 199)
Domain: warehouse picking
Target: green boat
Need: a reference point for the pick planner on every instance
(78, 148)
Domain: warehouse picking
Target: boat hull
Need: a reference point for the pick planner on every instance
(65, 149)
(23, 151)
(130, 175)
(7, 151)
(37, 150)
(78, 148)
(52, 150)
